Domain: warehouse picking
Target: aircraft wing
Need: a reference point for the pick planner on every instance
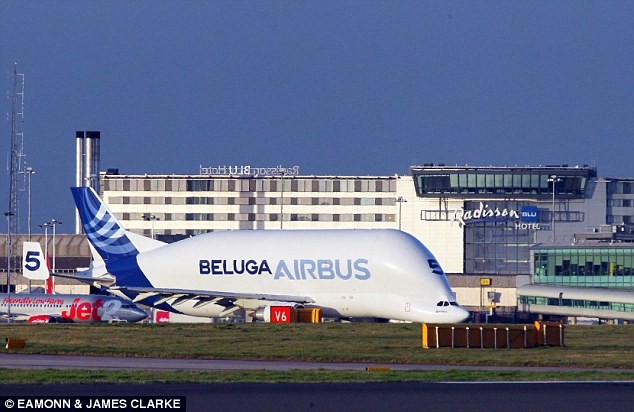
(102, 279)
(14, 316)
(232, 301)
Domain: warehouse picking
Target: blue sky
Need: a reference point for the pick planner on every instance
(336, 87)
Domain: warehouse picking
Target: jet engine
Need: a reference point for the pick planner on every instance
(48, 319)
(280, 313)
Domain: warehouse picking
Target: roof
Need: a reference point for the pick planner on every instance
(566, 292)
(65, 244)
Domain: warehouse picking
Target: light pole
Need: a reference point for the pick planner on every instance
(29, 172)
(45, 226)
(400, 201)
(554, 179)
(9, 253)
(150, 218)
(54, 223)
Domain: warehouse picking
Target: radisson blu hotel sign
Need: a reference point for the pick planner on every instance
(524, 219)
(250, 171)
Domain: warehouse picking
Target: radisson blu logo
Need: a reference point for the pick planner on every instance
(526, 218)
(529, 214)
(484, 213)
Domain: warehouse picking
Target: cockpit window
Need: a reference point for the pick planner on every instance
(442, 303)
(454, 303)
(435, 267)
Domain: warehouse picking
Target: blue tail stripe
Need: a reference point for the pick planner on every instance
(101, 228)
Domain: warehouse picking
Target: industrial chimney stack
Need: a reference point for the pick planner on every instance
(87, 164)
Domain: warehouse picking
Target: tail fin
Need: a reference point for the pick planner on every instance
(34, 263)
(104, 231)
(50, 286)
(50, 282)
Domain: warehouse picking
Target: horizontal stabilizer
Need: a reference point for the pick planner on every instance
(106, 279)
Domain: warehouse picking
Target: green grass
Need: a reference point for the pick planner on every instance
(50, 376)
(596, 347)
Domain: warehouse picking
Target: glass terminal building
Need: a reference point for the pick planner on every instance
(558, 231)
(505, 211)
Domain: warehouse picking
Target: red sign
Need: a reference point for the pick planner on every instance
(280, 314)
(162, 316)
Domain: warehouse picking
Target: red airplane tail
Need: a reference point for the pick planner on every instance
(50, 284)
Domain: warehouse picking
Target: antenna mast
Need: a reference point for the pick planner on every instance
(17, 157)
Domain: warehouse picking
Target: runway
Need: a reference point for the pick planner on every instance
(36, 361)
(365, 397)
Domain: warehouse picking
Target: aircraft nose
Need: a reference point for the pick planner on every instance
(461, 314)
(137, 315)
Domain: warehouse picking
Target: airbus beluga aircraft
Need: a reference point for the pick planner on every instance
(378, 273)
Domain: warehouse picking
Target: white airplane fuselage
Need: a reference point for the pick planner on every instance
(348, 273)
(75, 308)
